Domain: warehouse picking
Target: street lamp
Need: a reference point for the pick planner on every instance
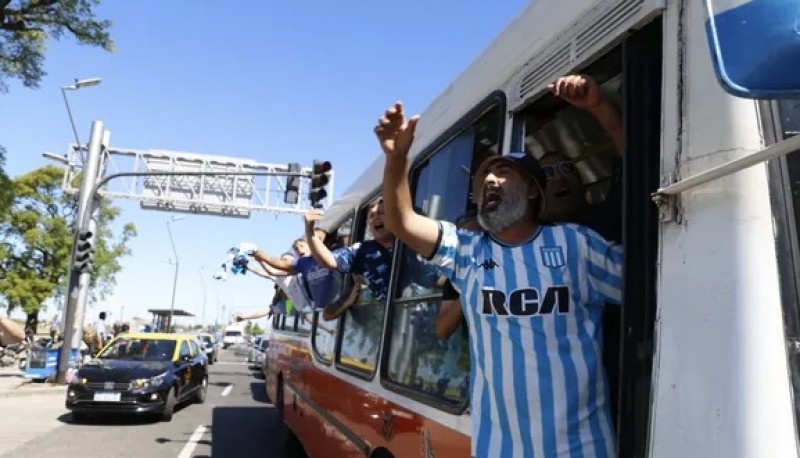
(203, 279)
(74, 87)
(175, 280)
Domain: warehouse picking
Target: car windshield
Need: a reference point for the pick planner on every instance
(233, 333)
(206, 339)
(139, 349)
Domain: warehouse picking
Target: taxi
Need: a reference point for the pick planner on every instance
(143, 373)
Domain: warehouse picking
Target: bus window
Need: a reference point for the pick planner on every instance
(572, 143)
(785, 173)
(324, 338)
(441, 190)
(420, 361)
(362, 323)
(361, 334)
(304, 322)
(790, 117)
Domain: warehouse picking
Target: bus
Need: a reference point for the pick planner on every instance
(701, 357)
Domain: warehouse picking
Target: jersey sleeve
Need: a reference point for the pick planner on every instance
(604, 261)
(345, 257)
(448, 254)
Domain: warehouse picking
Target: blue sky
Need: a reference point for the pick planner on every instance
(272, 81)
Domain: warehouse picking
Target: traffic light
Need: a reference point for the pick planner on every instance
(320, 176)
(292, 194)
(84, 252)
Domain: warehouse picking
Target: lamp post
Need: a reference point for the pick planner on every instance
(74, 87)
(175, 279)
(203, 279)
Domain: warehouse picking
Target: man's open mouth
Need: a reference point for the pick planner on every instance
(491, 198)
(561, 193)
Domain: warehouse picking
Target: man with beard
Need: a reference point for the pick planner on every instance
(533, 300)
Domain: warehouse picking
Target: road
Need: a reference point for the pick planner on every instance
(235, 421)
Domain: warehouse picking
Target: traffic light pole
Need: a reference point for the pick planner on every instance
(78, 282)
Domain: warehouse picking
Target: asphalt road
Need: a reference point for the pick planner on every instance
(236, 420)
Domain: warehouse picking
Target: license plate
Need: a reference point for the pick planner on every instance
(107, 397)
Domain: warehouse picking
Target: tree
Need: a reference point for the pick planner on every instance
(5, 187)
(26, 25)
(36, 241)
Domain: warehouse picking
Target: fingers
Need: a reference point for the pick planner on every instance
(571, 86)
(391, 120)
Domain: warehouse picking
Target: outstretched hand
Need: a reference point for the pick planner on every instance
(247, 248)
(394, 132)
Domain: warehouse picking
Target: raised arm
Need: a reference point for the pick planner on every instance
(318, 249)
(396, 134)
(582, 92)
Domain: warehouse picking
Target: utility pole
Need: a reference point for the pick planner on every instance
(78, 282)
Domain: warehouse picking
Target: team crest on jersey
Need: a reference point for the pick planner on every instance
(553, 256)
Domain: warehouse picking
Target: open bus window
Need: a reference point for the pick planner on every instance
(419, 363)
(584, 186)
(441, 191)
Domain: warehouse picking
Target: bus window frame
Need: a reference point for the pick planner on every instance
(357, 235)
(787, 240)
(495, 100)
(352, 215)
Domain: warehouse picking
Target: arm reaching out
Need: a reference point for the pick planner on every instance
(318, 249)
(395, 135)
(281, 264)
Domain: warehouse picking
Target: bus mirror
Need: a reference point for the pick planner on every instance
(755, 46)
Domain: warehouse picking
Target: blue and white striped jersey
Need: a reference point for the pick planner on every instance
(538, 387)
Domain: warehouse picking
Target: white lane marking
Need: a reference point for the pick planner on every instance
(190, 446)
(227, 390)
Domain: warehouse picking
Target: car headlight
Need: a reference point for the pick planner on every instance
(148, 382)
(78, 381)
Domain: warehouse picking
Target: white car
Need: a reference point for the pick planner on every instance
(233, 335)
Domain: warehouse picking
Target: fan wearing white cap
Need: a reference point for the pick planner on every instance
(532, 295)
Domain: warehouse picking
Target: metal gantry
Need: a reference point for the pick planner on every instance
(222, 194)
(168, 181)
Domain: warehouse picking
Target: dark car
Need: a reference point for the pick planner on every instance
(209, 345)
(142, 374)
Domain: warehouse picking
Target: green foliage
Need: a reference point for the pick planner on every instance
(26, 26)
(5, 186)
(256, 330)
(36, 236)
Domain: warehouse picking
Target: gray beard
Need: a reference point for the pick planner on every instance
(512, 208)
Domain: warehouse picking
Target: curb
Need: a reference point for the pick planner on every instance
(23, 390)
(17, 393)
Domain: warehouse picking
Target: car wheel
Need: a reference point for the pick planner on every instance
(169, 404)
(202, 392)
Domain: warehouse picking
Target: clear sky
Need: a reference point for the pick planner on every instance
(272, 81)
